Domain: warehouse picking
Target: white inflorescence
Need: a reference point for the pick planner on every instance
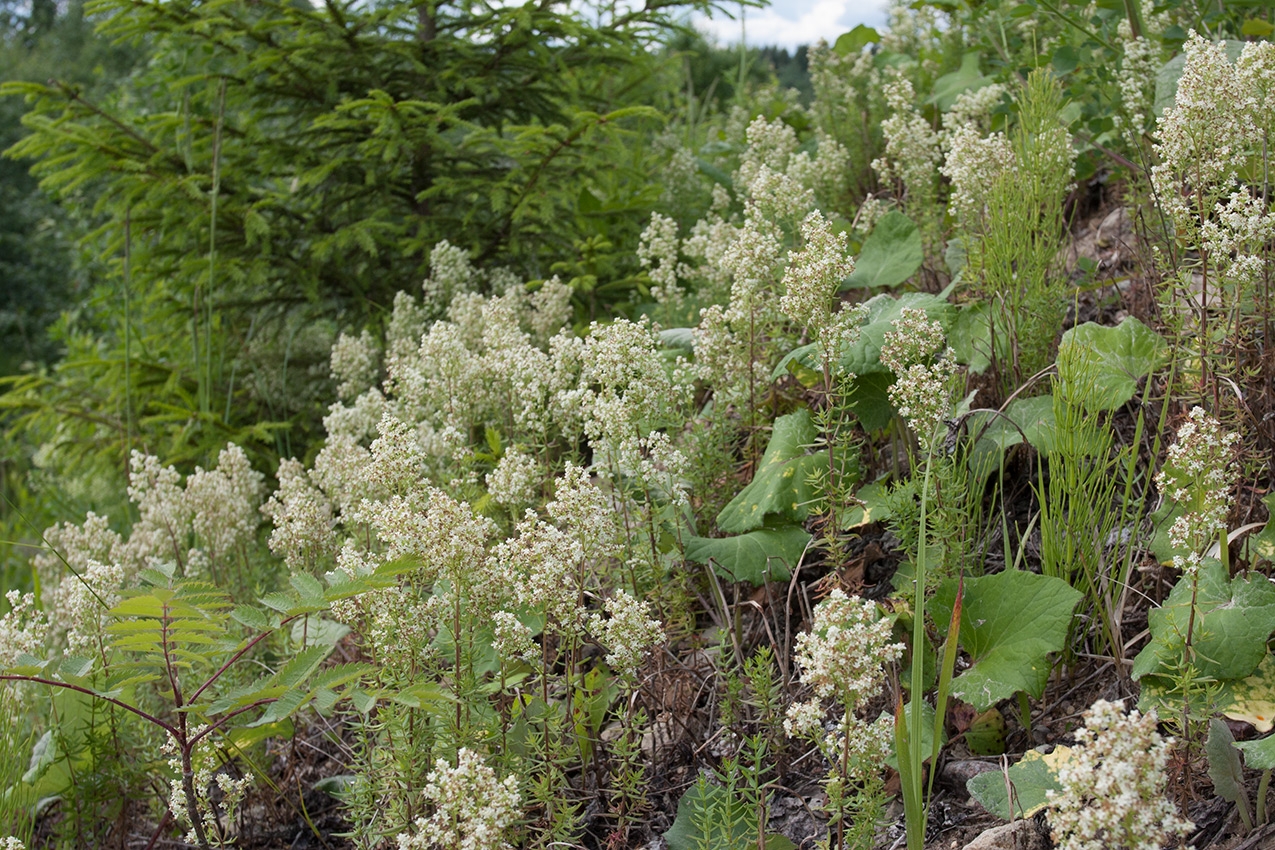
(1113, 785)
(1197, 473)
(472, 808)
(921, 392)
(627, 633)
(844, 656)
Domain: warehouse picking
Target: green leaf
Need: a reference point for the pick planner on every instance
(950, 86)
(853, 42)
(1225, 770)
(1065, 60)
(1031, 779)
(1257, 27)
(1233, 619)
(1120, 355)
(316, 631)
(986, 735)
(1262, 544)
(1259, 754)
(891, 254)
(971, 336)
(927, 732)
(864, 356)
(301, 666)
(767, 554)
(781, 484)
(1010, 622)
(875, 507)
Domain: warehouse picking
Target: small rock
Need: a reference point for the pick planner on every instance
(1019, 835)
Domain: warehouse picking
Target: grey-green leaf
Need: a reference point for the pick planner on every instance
(891, 254)
(1121, 355)
(1010, 622)
(756, 557)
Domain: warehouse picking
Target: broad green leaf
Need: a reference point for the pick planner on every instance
(891, 254)
(970, 337)
(864, 356)
(986, 735)
(949, 87)
(767, 554)
(1259, 754)
(875, 507)
(781, 484)
(852, 42)
(246, 736)
(1010, 622)
(870, 400)
(1262, 544)
(1121, 355)
(1233, 619)
(1031, 778)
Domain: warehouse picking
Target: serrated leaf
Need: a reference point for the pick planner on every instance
(301, 666)
(252, 617)
(1031, 778)
(1120, 356)
(781, 484)
(767, 554)
(1010, 622)
(891, 254)
(1234, 617)
(308, 587)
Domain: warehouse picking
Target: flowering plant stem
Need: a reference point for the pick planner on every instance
(911, 778)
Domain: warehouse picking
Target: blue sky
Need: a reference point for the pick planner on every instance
(789, 23)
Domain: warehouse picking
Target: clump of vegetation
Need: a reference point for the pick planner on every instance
(519, 427)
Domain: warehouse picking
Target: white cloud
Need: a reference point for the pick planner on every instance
(789, 23)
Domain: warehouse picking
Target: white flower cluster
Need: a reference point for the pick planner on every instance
(206, 776)
(302, 517)
(922, 389)
(354, 364)
(223, 503)
(912, 147)
(23, 629)
(81, 603)
(472, 807)
(450, 273)
(843, 656)
(658, 252)
(1221, 112)
(974, 164)
(516, 479)
(11, 843)
(1139, 61)
(627, 633)
(1113, 785)
(973, 109)
(1198, 473)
